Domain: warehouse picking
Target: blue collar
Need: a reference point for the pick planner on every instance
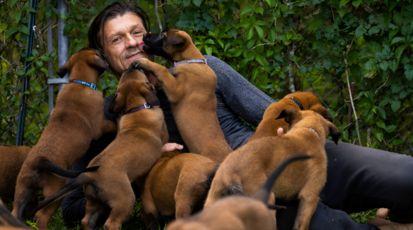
(85, 83)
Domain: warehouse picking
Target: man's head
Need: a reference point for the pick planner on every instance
(117, 32)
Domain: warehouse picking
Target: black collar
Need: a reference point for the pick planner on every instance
(146, 105)
(297, 102)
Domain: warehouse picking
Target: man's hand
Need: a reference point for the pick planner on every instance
(280, 131)
(169, 147)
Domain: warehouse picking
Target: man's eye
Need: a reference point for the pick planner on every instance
(116, 40)
(137, 32)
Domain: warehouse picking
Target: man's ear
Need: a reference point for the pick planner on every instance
(118, 103)
(289, 115)
(64, 69)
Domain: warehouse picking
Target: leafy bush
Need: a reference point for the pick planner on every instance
(325, 46)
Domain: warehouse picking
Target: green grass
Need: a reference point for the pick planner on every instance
(134, 223)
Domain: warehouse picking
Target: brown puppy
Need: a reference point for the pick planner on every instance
(245, 169)
(293, 101)
(141, 135)
(76, 120)
(11, 160)
(191, 91)
(238, 212)
(177, 185)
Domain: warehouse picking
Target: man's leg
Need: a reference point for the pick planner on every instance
(361, 178)
(324, 218)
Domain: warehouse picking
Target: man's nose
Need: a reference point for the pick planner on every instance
(131, 41)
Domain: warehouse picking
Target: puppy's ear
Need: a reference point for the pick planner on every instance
(318, 108)
(334, 133)
(150, 93)
(64, 69)
(289, 115)
(176, 41)
(118, 103)
(99, 63)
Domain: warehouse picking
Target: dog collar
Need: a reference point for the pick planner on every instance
(141, 107)
(190, 61)
(85, 83)
(297, 102)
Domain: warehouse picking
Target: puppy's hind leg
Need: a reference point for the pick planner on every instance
(53, 185)
(150, 213)
(121, 201)
(309, 197)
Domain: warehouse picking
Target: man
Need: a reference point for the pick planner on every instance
(359, 178)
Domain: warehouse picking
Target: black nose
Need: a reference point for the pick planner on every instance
(153, 40)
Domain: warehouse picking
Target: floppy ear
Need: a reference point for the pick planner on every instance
(64, 69)
(288, 115)
(150, 95)
(176, 41)
(318, 108)
(100, 64)
(334, 133)
(118, 103)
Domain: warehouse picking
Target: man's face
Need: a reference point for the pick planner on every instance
(121, 38)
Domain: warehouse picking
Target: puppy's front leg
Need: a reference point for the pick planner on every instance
(168, 81)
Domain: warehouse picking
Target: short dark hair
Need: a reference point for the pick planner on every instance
(111, 11)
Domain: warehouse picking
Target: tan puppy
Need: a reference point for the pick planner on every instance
(76, 120)
(238, 212)
(293, 101)
(141, 135)
(191, 91)
(177, 185)
(245, 169)
(11, 160)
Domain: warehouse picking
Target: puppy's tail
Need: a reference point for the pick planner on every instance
(264, 193)
(64, 191)
(45, 164)
(7, 218)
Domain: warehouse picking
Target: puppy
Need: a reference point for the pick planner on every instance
(238, 212)
(190, 90)
(141, 135)
(245, 169)
(76, 120)
(11, 160)
(177, 185)
(293, 101)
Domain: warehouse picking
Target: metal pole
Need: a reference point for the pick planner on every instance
(62, 40)
(50, 50)
(22, 109)
(62, 47)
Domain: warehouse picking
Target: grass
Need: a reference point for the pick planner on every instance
(134, 223)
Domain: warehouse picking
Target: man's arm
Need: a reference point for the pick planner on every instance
(242, 97)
